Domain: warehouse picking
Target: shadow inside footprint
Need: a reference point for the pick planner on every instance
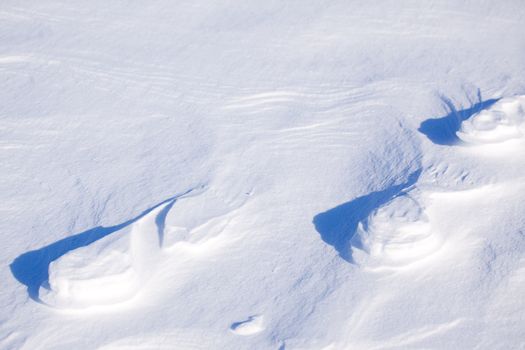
(442, 131)
(338, 226)
(32, 268)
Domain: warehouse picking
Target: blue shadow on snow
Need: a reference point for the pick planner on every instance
(32, 268)
(442, 131)
(337, 226)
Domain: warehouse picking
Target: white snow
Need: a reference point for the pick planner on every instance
(262, 175)
(253, 325)
(398, 233)
(108, 271)
(503, 121)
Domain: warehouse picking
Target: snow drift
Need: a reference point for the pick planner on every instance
(108, 271)
(356, 175)
(503, 121)
(396, 234)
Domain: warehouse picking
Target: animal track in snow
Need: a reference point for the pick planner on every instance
(253, 325)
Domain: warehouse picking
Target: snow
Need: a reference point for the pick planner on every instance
(109, 270)
(253, 325)
(398, 233)
(262, 175)
(503, 121)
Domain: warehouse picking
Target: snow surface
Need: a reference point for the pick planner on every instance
(262, 175)
(503, 121)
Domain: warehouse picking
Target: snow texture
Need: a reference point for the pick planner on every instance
(262, 175)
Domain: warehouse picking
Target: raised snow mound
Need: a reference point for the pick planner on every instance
(396, 234)
(503, 121)
(108, 271)
(113, 269)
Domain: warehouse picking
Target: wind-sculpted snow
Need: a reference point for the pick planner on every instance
(108, 271)
(396, 234)
(442, 131)
(32, 268)
(362, 162)
(113, 268)
(195, 221)
(394, 228)
(339, 225)
(503, 121)
(253, 325)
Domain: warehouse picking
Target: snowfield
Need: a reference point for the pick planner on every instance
(262, 175)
